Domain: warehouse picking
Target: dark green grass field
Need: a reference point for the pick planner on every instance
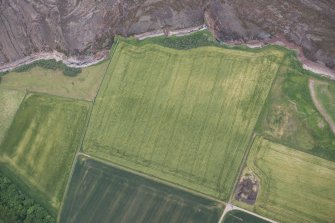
(101, 193)
(41, 142)
(290, 116)
(185, 116)
(236, 216)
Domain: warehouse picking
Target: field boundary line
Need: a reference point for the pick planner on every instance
(231, 207)
(156, 179)
(93, 101)
(57, 96)
(110, 61)
(74, 163)
(246, 153)
(78, 150)
(6, 88)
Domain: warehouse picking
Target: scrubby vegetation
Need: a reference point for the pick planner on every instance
(18, 207)
(202, 38)
(290, 116)
(3, 73)
(83, 86)
(51, 65)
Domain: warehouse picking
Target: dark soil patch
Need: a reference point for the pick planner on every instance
(247, 189)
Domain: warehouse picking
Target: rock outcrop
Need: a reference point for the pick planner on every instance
(84, 27)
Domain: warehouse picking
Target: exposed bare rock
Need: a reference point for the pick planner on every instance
(307, 23)
(81, 27)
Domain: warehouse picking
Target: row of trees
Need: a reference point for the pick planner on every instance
(186, 42)
(15, 206)
(51, 65)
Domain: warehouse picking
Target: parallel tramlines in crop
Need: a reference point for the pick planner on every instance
(295, 186)
(184, 116)
(115, 195)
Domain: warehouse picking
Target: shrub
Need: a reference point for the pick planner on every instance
(51, 65)
(71, 71)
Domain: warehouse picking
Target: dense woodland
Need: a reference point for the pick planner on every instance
(18, 207)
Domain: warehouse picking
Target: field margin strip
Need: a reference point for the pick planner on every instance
(79, 149)
(254, 135)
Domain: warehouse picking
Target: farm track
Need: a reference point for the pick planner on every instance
(319, 106)
(231, 207)
(68, 61)
(245, 157)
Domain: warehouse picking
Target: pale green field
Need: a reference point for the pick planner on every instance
(326, 95)
(9, 103)
(41, 143)
(83, 86)
(183, 116)
(295, 186)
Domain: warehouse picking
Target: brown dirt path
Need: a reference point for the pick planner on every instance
(319, 106)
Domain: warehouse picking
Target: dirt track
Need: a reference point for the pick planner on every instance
(230, 207)
(69, 61)
(319, 106)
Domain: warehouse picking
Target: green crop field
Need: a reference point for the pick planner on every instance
(236, 216)
(9, 103)
(185, 116)
(325, 93)
(83, 86)
(294, 186)
(102, 193)
(40, 145)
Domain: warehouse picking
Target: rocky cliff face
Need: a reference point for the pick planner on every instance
(80, 27)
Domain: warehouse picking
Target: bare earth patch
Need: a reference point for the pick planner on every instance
(247, 188)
